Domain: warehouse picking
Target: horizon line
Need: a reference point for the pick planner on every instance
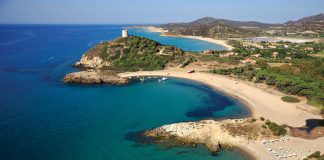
(150, 23)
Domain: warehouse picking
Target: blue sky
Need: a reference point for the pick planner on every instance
(153, 11)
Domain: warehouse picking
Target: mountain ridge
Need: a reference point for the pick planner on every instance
(224, 28)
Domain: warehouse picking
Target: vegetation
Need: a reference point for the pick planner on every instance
(302, 78)
(285, 50)
(290, 99)
(276, 129)
(316, 155)
(140, 54)
(135, 53)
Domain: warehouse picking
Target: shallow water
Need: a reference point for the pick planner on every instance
(186, 44)
(42, 118)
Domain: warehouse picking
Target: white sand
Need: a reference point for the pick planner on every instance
(260, 102)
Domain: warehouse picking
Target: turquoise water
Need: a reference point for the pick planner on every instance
(186, 44)
(42, 118)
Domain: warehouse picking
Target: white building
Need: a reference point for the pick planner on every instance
(125, 33)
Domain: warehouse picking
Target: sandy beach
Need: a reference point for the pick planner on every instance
(261, 103)
(211, 40)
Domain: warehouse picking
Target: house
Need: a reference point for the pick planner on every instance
(275, 54)
(256, 55)
(228, 54)
(287, 58)
(308, 49)
(309, 32)
(248, 60)
(273, 47)
(208, 52)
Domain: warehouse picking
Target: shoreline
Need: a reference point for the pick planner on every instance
(260, 103)
(241, 92)
(207, 39)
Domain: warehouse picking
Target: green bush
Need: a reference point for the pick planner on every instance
(316, 155)
(290, 99)
(276, 129)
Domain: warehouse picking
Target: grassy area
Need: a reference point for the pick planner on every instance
(276, 129)
(290, 99)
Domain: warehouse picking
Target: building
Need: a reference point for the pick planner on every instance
(256, 55)
(308, 49)
(228, 54)
(208, 52)
(125, 33)
(248, 60)
(275, 54)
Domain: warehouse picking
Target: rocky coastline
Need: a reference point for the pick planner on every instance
(94, 77)
(215, 135)
(91, 72)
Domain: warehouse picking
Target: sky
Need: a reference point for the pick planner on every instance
(152, 11)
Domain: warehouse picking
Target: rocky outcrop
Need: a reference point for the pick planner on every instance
(214, 134)
(93, 77)
(91, 62)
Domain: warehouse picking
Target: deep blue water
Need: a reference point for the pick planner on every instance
(186, 44)
(42, 118)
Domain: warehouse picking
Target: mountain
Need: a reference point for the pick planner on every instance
(241, 24)
(319, 18)
(210, 27)
(312, 23)
(223, 28)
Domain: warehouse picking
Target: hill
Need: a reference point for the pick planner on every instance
(223, 28)
(129, 54)
(312, 23)
(211, 27)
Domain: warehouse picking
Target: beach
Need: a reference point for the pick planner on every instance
(261, 103)
(207, 39)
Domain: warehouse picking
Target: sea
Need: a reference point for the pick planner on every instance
(41, 118)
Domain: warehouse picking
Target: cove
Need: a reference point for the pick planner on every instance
(42, 118)
(186, 44)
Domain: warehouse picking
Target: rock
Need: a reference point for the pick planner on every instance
(214, 134)
(93, 77)
(92, 62)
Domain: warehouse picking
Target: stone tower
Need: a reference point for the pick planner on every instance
(125, 33)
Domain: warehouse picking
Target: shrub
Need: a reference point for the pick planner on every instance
(262, 118)
(316, 154)
(276, 129)
(264, 126)
(290, 99)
